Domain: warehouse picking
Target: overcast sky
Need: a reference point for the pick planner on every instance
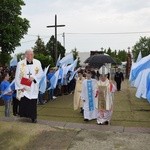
(87, 16)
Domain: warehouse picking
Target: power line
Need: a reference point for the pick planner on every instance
(33, 40)
(114, 32)
(100, 33)
(28, 41)
(136, 32)
(45, 37)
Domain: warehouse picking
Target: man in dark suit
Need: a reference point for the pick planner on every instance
(118, 78)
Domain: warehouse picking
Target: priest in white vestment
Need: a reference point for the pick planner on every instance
(78, 103)
(106, 90)
(88, 94)
(31, 70)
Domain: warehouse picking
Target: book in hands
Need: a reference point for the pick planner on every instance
(26, 81)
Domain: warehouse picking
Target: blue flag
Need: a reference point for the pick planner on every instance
(68, 59)
(43, 82)
(54, 80)
(148, 88)
(13, 61)
(57, 63)
(144, 63)
(139, 57)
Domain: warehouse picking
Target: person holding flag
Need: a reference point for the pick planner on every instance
(6, 97)
(88, 93)
(77, 102)
(51, 90)
(42, 87)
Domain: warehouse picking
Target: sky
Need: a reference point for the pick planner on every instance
(89, 24)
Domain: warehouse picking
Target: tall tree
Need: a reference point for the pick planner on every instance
(41, 53)
(122, 55)
(20, 56)
(39, 47)
(142, 45)
(50, 48)
(109, 51)
(118, 57)
(76, 55)
(12, 26)
(44, 59)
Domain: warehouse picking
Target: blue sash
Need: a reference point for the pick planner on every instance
(90, 95)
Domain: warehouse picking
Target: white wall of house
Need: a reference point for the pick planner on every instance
(83, 56)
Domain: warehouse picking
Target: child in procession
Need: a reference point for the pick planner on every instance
(7, 98)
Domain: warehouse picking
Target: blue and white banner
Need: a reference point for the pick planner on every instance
(144, 63)
(90, 95)
(148, 87)
(54, 80)
(68, 59)
(43, 82)
(139, 57)
(13, 61)
(57, 63)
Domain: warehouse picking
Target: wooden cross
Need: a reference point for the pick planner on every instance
(29, 74)
(55, 26)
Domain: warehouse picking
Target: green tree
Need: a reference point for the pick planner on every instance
(114, 54)
(41, 53)
(122, 55)
(142, 45)
(75, 56)
(109, 51)
(50, 48)
(118, 57)
(20, 56)
(4, 58)
(39, 47)
(44, 59)
(12, 26)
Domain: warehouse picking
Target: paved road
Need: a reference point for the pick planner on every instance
(51, 135)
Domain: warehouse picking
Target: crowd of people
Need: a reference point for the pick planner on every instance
(94, 96)
(93, 91)
(24, 97)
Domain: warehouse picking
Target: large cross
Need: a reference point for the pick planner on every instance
(29, 74)
(55, 26)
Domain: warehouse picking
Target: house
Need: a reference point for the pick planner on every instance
(83, 56)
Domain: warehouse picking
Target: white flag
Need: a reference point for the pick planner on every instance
(139, 57)
(13, 61)
(68, 59)
(43, 82)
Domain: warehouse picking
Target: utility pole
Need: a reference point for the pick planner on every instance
(129, 63)
(55, 26)
(63, 39)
